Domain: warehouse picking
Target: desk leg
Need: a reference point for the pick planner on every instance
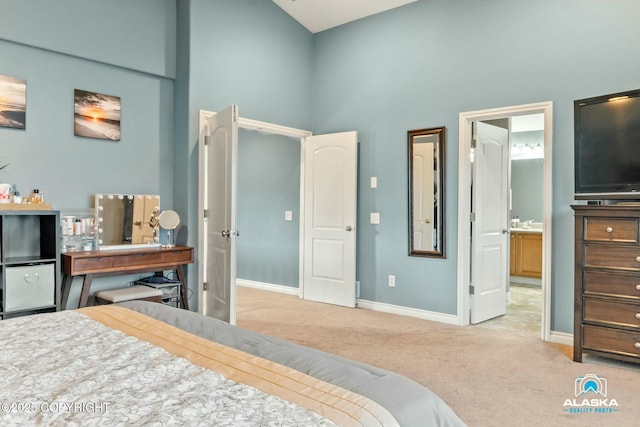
(86, 287)
(67, 280)
(183, 287)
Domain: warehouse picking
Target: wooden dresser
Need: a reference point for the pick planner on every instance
(607, 282)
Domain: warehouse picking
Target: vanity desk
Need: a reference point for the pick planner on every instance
(101, 263)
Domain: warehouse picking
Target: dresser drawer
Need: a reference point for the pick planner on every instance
(31, 286)
(612, 312)
(611, 284)
(618, 257)
(611, 340)
(611, 230)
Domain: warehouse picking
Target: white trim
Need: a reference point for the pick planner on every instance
(464, 205)
(561, 338)
(203, 132)
(271, 128)
(407, 311)
(301, 234)
(289, 290)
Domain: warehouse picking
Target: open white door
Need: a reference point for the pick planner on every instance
(329, 182)
(490, 230)
(218, 163)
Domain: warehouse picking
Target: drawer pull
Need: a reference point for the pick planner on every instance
(638, 316)
(28, 279)
(637, 345)
(638, 258)
(609, 230)
(637, 287)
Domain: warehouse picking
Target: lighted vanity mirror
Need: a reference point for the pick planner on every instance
(127, 221)
(426, 192)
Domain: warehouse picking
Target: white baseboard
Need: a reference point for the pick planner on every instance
(561, 338)
(290, 290)
(407, 311)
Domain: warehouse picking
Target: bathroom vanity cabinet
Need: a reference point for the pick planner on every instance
(526, 254)
(29, 262)
(607, 282)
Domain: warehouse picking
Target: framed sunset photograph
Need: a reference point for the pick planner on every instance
(13, 102)
(96, 115)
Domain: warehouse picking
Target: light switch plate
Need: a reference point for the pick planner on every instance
(374, 218)
(374, 182)
(288, 215)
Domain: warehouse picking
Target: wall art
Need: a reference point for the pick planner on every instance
(96, 115)
(13, 102)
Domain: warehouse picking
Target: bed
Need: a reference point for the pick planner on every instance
(143, 363)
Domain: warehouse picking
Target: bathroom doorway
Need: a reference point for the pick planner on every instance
(470, 274)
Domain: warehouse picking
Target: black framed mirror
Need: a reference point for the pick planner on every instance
(426, 192)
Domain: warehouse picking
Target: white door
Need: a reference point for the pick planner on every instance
(423, 195)
(219, 151)
(329, 182)
(490, 230)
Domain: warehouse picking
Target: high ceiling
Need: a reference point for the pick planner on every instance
(320, 15)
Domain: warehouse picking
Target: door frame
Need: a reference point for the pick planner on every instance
(255, 125)
(464, 205)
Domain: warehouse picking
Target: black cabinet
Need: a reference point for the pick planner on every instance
(29, 262)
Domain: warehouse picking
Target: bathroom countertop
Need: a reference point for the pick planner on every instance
(527, 230)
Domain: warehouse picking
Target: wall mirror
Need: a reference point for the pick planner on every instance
(426, 192)
(127, 221)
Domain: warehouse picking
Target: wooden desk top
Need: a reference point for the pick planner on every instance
(125, 261)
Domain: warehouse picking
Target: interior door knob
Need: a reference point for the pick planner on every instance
(348, 228)
(225, 233)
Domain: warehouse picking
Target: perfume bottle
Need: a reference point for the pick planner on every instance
(37, 196)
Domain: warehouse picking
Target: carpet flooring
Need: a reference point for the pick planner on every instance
(489, 376)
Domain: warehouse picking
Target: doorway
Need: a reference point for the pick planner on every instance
(467, 302)
(328, 165)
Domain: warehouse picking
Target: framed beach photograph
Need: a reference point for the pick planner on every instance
(13, 102)
(96, 115)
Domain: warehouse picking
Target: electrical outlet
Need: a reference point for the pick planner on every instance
(374, 218)
(374, 182)
(288, 215)
(392, 281)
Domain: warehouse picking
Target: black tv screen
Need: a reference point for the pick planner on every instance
(607, 147)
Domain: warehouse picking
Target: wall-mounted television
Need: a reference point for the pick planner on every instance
(607, 147)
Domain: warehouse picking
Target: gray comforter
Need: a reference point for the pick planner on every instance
(409, 402)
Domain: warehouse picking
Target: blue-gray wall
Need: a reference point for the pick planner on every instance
(415, 66)
(526, 178)
(526, 189)
(420, 66)
(268, 185)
